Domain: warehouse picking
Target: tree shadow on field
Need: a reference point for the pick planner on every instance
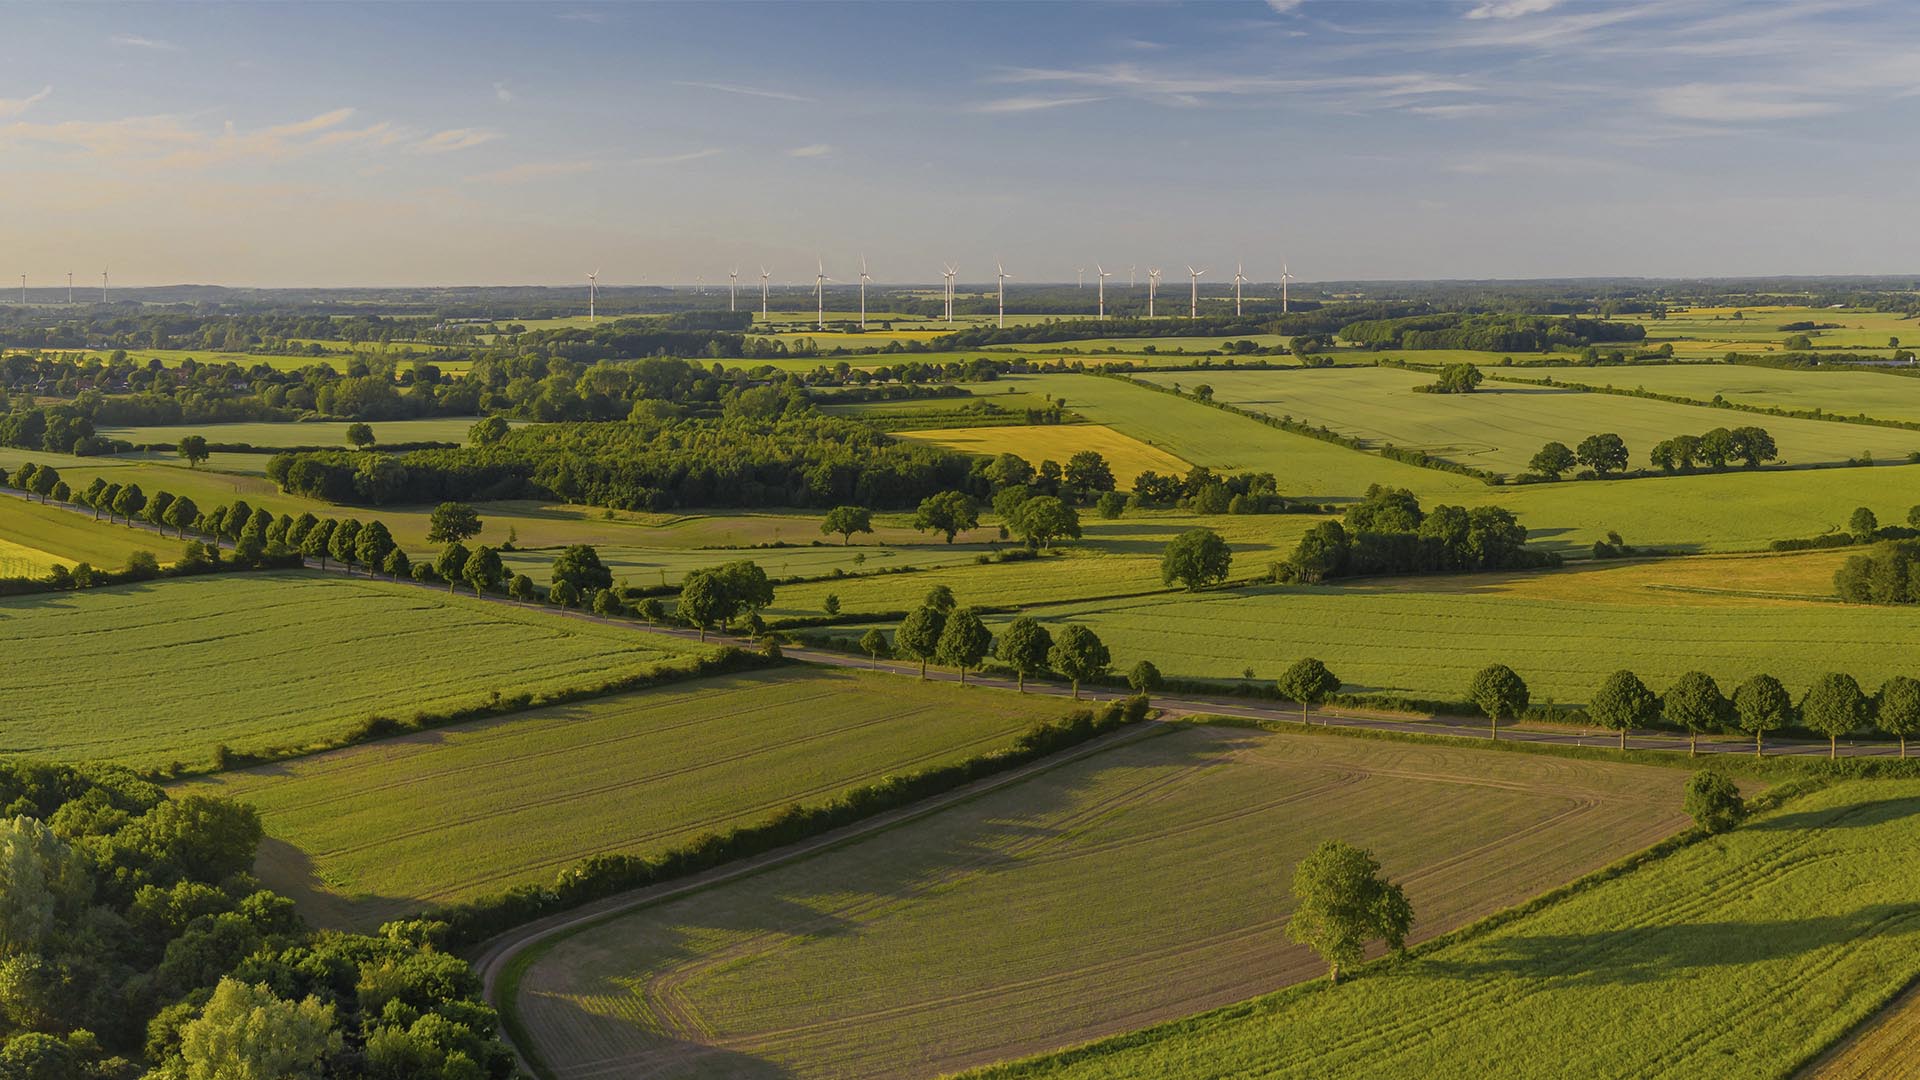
(1658, 953)
(1852, 816)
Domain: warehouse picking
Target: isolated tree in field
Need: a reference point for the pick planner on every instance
(1144, 677)
(847, 520)
(452, 522)
(129, 501)
(939, 598)
(1834, 707)
(1196, 558)
(964, 641)
(1498, 692)
(360, 435)
(1863, 524)
(451, 563)
(193, 450)
(1623, 702)
(397, 565)
(1694, 702)
(1307, 682)
(1605, 453)
(521, 588)
(247, 1033)
(1023, 647)
(1043, 519)
(579, 565)
(831, 604)
(1343, 903)
(345, 543)
(703, 599)
(948, 512)
(874, 643)
(1761, 705)
(483, 570)
(918, 637)
(373, 545)
(1714, 801)
(1897, 709)
(1079, 654)
(564, 594)
(1457, 379)
(1552, 460)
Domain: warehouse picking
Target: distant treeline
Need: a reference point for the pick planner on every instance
(1488, 333)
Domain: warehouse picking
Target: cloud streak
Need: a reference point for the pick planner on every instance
(1032, 104)
(745, 91)
(532, 170)
(681, 159)
(135, 41)
(811, 150)
(456, 139)
(16, 106)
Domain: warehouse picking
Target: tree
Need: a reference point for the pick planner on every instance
(1498, 692)
(1196, 558)
(1714, 801)
(129, 501)
(940, 598)
(847, 520)
(1343, 903)
(1023, 647)
(747, 585)
(918, 637)
(247, 1033)
(1834, 707)
(1144, 677)
(1897, 709)
(1863, 524)
(1694, 702)
(948, 512)
(1321, 553)
(1457, 379)
(703, 599)
(483, 570)
(373, 545)
(1606, 453)
(44, 480)
(452, 522)
(1111, 504)
(1623, 702)
(579, 566)
(1307, 682)
(488, 431)
(874, 643)
(964, 641)
(1087, 471)
(1761, 705)
(521, 588)
(193, 448)
(319, 541)
(360, 435)
(451, 563)
(1754, 445)
(1552, 460)
(564, 594)
(607, 603)
(397, 565)
(344, 546)
(1079, 654)
(1043, 519)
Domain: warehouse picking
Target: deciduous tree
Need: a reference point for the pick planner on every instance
(1498, 692)
(964, 641)
(1694, 702)
(193, 449)
(847, 520)
(452, 522)
(1023, 647)
(1342, 903)
(1079, 654)
(1552, 460)
(1307, 682)
(1714, 801)
(947, 512)
(1761, 705)
(1897, 709)
(1623, 702)
(1834, 707)
(451, 563)
(874, 644)
(918, 637)
(1196, 558)
(484, 570)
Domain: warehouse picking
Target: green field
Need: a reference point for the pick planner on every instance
(1881, 395)
(1504, 424)
(316, 433)
(154, 673)
(35, 536)
(1740, 956)
(1142, 883)
(641, 566)
(1713, 331)
(377, 831)
(1161, 345)
(248, 361)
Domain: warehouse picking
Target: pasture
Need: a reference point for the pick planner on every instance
(377, 831)
(1743, 955)
(34, 537)
(1126, 456)
(1152, 347)
(1847, 392)
(1715, 330)
(150, 674)
(1141, 883)
(305, 433)
(644, 566)
(1504, 424)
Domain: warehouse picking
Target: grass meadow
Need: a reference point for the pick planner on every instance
(1743, 955)
(1503, 425)
(1126, 456)
(315, 433)
(644, 566)
(376, 831)
(34, 537)
(1886, 1048)
(1142, 883)
(1850, 392)
(149, 674)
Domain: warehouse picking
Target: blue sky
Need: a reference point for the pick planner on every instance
(334, 144)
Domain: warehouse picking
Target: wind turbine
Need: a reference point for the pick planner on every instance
(1239, 277)
(1002, 271)
(103, 286)
(1153, 287)
(23, 290)
(820, 280)
(1193, 309)
(1103, 275)
(69, 288)
(952, 271)
(765, 274)
(593, 293)
(1285, 276)
(1080, 273)
(733, 286)
(864, 278)
(1130, 281)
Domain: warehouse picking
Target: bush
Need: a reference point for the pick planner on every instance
(1714, 801)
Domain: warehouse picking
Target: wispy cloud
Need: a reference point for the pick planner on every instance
(532, 170)
(445, 142)
(167, 141)
(1031, 104)
(1191, 88)
(1511, 9)
(135, 41)
(681, 159)
(811, 150)
(1735, 102)
(16, 106)
(1453, 112)
(745, 91)
(501, 93)
(1281, 7)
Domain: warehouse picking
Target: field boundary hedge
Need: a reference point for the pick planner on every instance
(601, 876)
(1716, 402)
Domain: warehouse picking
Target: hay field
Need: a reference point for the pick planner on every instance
(1126, 456)
(34, 536)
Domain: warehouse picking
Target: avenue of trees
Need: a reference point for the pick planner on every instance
(939, 631)
(1606, 454)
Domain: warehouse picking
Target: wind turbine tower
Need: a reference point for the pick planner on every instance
(952, 272)
(765, 275)
(69, 288)
(864, 278)
(1002, 272)
(1239, 277)
(23, 290)
(820, 280)
(1103, 275)
(1080, 274)
(1153, 287)
(733, 287)
(1130, 281)
(593, 294)
(1285, 276)
(103, 286)
(1193, 302)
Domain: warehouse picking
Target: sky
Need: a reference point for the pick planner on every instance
(335, 144)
